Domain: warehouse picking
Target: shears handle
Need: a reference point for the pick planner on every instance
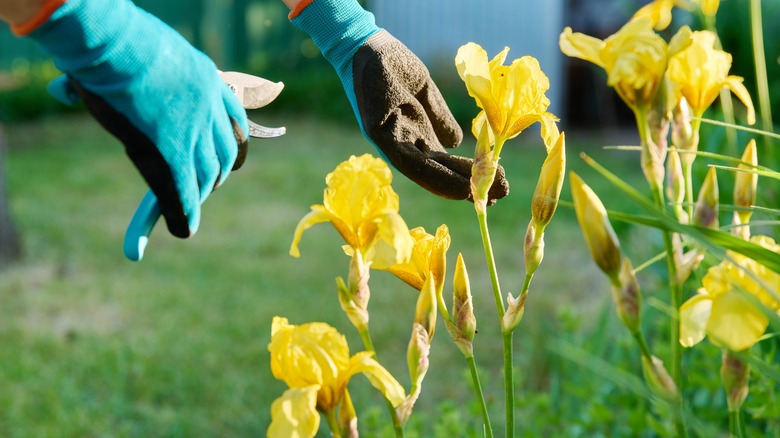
(141, 225)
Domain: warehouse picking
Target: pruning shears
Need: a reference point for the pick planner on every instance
(253, 92)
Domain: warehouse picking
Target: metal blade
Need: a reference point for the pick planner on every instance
(260, 131)
(253, 91)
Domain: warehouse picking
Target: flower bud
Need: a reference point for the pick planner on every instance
(684, 138)
(705, 213)
(425, 313)
(745, 189)
(357, 316)
(514, 312)
(594, 222)
(548, 187)
(685, 262)
(355, 296)
(483, 171)
(658, 379)
(438, 259)
(533, 247)
(734, 374)
(462, 304)
(675, 185)
(628, 297)
(709, 7)
(418, 362)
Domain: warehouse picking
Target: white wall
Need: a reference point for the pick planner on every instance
(434, 29)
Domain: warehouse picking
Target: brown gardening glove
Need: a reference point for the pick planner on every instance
(397, 105)
(406, 117)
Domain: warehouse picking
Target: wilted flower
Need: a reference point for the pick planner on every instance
(361, 204)
(700, 71)
(721, 310)
(634, 58)
(512, 97)
(313, 360)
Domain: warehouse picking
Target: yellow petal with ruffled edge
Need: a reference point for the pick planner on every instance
(294, 414)
(659, 12)
(361, 204)
(316, 216)
(379, 377)
(734, 83)
(579, 45)
(393, 243)
(309, 354)
(735, 322)
(475, 70)
(694, 315)
(413, 272)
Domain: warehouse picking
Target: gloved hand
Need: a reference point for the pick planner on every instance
(397, 105)
(180, 123)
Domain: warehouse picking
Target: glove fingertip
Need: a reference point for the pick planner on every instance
(243, 144)
(183, 223)
(235, 109)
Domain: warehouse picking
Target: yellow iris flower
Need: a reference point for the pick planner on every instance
(721, 310)
(700, 71)
(634, 58)
(428, 255)
(512, 97)
(363, 207)
(313, 360)
(659, 12)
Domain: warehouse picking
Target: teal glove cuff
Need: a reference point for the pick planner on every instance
(338, 28)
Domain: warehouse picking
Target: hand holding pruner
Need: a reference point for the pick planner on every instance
(253, 92)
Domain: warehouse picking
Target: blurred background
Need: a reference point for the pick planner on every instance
(92, 345)
(256, 37)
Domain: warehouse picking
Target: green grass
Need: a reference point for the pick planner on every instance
(175, 346)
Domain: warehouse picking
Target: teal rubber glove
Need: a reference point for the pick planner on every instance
(398, 106)
(181, 125)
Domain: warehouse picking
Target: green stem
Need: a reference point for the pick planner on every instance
(675, 288)
(509, 385)
(491, 262)
(480, 396)
(365, 336)
(640, 340)
(762, 83)
(509, 393)
(735, 423)
(333, 423)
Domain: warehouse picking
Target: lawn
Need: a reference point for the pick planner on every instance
(93, 345)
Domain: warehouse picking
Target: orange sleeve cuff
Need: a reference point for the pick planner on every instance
(47, 8)
(299, 8)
